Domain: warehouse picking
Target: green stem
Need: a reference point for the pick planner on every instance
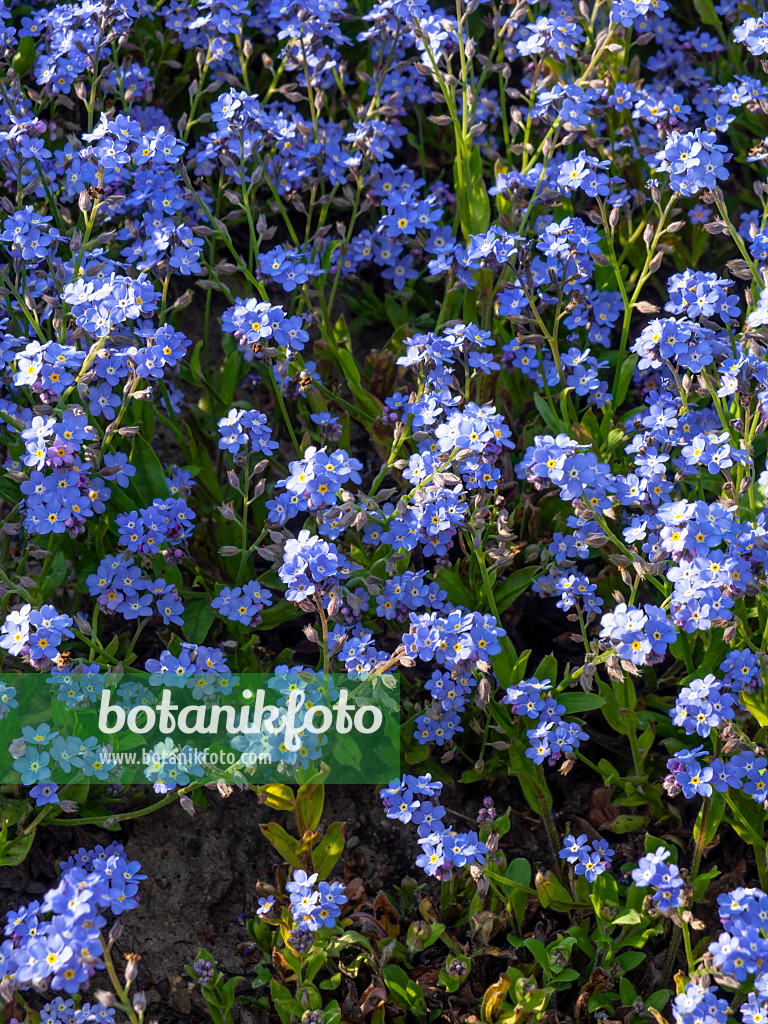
(130, 815)
(683, 933)
(120, 992)
(546, 814)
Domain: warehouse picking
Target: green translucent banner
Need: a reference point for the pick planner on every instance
(167, 730)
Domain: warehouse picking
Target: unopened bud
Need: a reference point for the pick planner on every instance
(479, 878)
(131, 967)
(338, 644)
(105, 998)
(418, 933)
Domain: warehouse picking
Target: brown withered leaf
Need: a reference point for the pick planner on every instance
(280, 964)
(386, 915)
(599, 809)
(373, 997)
(599, 981)
(367, 925)
(355, 893)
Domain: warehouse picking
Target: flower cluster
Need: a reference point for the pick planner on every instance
(587, 859)
(310, 566)
(57, 941)
(35, 633)
(443, 850)
(653, 871)
(553, 737)
(314, 904)
(738, 953)
(242, 427)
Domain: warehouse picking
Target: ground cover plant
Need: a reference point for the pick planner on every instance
(364, 345)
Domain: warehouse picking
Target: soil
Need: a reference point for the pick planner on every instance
(203, 870)
(203, 873)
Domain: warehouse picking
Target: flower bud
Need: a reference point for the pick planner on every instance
(131, 967)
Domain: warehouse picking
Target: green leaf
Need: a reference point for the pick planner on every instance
(754, 703)
(609, 772)
(198, 619)
(261, 933)
(286, 845)
(715, 809)
(14, 852)
(328, 850)
(564, 978)
(605, 889)
(229, 379)
(309, 806)
(404, 992)
(547, 669)
(479, 203)
(194, 362)
(626, 823)
(54, 576)
(539, 952)
(24, 59)
(284, 1003)
(611, 710)
(339, 943)
(519, 872)
(514, 585)
(628, 917)
(471, 194)
(550, 418)
(702, 882)
(706, 11)
(632, 959)
(576, 702)
(351, 372)
(522, 768)
(396, 315)
(278, 613)
(627, 991)
(149, 480)
(276, 795)
(204, 472)
(658, 1000)
(553, 894)
(448, 580)
(626, 370)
